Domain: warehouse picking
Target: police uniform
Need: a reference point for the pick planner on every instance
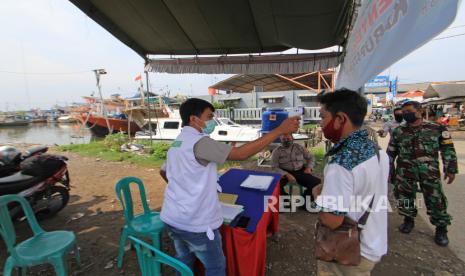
(294, 160)
(415, 150)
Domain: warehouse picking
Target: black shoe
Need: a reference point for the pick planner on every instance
(441, 236)
(407, 226)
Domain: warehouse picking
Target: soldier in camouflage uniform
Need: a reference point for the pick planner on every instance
(414, 147)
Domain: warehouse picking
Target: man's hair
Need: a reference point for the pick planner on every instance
(347, 101)
(415, 104)
(194, 107)
(397, 109)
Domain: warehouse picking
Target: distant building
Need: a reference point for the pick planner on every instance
(272, 90)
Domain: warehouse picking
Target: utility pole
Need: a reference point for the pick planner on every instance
(99, 72)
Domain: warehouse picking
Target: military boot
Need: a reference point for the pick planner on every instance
(441, 236)
(407, 226)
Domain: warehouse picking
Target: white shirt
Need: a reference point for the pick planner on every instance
(191, 201)
(348, 189)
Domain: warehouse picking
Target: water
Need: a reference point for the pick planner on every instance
(46, 134)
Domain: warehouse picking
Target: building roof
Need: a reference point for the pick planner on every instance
(221, 27)
(411, 94)
(401, 87)
(273, 82)
(445, 90)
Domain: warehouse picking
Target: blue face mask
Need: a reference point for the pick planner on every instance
(209, 127)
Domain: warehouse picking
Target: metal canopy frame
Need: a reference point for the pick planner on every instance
(313, 81)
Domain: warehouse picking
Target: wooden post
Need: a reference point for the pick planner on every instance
(319, 82)
(333, 79)
(129, 125)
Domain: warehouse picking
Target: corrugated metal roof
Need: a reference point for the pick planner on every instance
(445, 90)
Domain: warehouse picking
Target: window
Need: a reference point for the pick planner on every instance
(153, 127)
(273, 100)
(226, 121)
(171, 125)
(309, 98)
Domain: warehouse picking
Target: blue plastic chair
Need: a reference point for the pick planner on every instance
(148, 224)
(150, 258)
(43, 247)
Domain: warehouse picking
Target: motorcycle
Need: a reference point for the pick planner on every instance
(43, 180)
(11, 158)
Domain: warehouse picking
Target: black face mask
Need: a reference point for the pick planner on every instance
(398, 117)
(410, 117)
(286, 143)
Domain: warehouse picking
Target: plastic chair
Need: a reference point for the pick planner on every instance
(43, 247)
(150, 258)
(290, 186)
(148, 224)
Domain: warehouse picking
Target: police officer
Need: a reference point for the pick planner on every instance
(414, 147)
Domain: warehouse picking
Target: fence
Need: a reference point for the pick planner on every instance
(254, 115)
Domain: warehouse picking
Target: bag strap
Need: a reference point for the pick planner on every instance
(363, 219)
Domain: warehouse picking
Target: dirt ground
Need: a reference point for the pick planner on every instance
(95, 215)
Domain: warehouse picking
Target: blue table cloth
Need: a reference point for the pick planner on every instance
(251, 199)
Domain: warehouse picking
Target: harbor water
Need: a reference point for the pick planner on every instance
(45, 134)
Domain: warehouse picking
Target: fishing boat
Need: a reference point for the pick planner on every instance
(39, 119)
(66, 119)
(101, 126)
(13, 120)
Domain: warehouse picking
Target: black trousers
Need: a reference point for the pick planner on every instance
(307, 180)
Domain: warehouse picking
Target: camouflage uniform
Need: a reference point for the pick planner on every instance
(416, 150)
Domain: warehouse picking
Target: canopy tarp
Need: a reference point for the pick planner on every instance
(252, 64)
(221, 27)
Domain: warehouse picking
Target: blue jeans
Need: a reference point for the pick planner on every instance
(190, 246)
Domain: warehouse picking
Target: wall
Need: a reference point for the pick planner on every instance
(253, 100)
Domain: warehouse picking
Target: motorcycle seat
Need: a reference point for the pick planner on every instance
(17, 177)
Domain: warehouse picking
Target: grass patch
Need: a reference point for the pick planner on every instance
(157, 155)
(98, 149)
(319, 154)
(310, 126)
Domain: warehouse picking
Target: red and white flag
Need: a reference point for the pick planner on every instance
(138, 78)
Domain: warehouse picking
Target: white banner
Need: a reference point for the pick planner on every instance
(386, 31)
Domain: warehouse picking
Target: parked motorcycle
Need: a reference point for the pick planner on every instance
(11, 158)
(41, 178)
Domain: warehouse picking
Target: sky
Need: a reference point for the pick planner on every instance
(48, 49)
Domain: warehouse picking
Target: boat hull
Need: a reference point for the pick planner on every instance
(17, 123)
(98, 125)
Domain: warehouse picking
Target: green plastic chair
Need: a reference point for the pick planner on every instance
(43, 247)
(150, 258)
(290, 186)
(148, 224)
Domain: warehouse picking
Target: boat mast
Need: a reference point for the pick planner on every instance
(99, 72)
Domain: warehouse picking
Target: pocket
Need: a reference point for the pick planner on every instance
(299, 157)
